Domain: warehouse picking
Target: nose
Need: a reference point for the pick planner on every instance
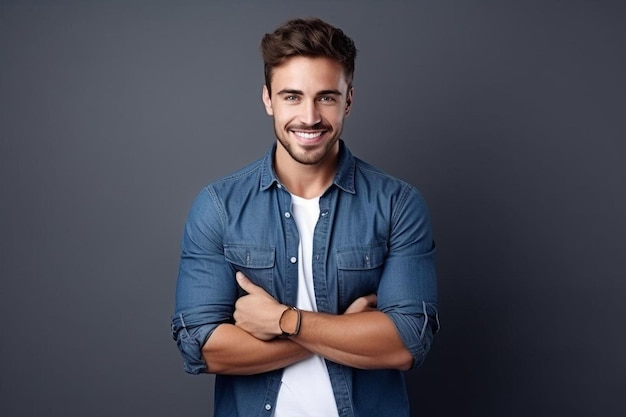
(309, 113)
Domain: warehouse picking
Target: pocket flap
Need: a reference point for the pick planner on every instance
(250, 256)
(361, 257)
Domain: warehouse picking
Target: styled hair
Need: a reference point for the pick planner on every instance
(311, 37)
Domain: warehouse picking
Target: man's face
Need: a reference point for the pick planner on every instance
(310, 99)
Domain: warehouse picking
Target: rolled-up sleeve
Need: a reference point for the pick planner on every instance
(407, 291)
(206, 289)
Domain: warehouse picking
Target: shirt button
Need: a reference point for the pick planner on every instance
(293, 259)
(268, 407)
(287, 214)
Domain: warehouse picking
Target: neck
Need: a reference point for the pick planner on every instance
(303, 180)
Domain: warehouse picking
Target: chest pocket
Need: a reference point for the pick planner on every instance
(256, 262)
(359, 269)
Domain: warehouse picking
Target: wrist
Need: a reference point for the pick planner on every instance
(289, 322)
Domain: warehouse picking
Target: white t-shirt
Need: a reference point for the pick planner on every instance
(305, 389)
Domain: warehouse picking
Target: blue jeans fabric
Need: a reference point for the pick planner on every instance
(373, 236)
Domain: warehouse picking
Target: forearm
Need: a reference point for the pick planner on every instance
(231, 350)
(367, 340)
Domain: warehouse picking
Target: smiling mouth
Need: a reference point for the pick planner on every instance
(307, 135)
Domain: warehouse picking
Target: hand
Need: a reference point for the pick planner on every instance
(361, 304)
(258, 313)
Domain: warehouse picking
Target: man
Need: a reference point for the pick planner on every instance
(307, 279)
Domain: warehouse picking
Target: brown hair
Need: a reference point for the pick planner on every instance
(308, 37)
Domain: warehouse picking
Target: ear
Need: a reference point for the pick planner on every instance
(267, 101)
(349, 97)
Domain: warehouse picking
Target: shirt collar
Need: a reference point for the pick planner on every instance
(344, 177)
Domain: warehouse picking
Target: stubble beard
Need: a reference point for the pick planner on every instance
(312, 156)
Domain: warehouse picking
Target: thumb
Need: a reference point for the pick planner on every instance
(245, 283)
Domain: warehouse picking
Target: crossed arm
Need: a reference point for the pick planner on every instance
(362, 337)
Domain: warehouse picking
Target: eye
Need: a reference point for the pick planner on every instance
(327, 99)
(291, 98)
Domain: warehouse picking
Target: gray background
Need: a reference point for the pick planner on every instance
(508, 116)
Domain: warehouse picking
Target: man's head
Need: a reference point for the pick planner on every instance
(310, 38)
(308, 91)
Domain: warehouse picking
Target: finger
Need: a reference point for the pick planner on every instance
(371, 299)
(364, 303)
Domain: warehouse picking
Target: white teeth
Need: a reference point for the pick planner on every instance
(306, 135)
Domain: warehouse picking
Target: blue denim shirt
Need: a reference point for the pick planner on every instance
(373, 236)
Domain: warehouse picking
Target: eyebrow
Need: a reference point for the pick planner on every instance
(301, 93)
